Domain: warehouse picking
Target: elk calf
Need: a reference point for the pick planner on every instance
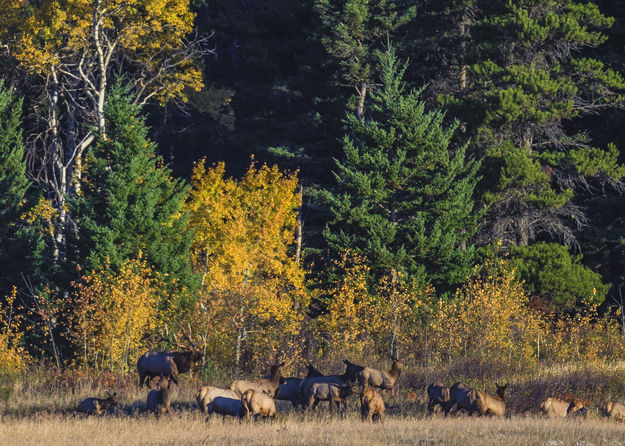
(256, 403)
(371, 405)
(158, 400)
(96, 406)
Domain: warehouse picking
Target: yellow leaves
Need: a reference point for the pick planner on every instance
(244, 230)
(114, 313)
(13, 357)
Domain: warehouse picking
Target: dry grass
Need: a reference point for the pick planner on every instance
(189, 428)
(38, 409)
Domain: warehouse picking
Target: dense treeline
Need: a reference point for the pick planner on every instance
(312, 178)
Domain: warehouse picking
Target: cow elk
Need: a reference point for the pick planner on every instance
(614, 410)
(333, 393)
(494, 404)
(369, 376)
(205, 395)
(97, 406)
(256, 403)
(554, 408)
(268, 385)
(371, 405)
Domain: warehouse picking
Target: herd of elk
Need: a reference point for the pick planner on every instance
(256, 397)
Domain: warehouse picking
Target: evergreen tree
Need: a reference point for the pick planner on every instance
(18, 245)
(130, 203)
(403, 197)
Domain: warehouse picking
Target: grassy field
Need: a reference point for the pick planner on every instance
(38, 408)
(189, 428)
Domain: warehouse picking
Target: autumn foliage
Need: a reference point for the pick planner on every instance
(252, 301)
(13, 355)
(114, 314)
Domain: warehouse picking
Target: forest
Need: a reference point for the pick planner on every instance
(311, 180)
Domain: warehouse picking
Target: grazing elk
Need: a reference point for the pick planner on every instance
(96, 406)
(331, 392)
(167, 364)
(369, 376)
(158, 400)
(494, 405)
(256, 403)
(577, 408)
(268, 385)
(614, 410)
(205, 395)
(438, 397)
(371, 405)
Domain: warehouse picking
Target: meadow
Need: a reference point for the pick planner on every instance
(38, 408)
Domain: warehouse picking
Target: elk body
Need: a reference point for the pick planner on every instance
(268, 385)
(167, 364)
(438, 397)
(331, 392)
(256, 403)
(371, 405)
(348, 378)
(614, 410)
(291, 389)
(205, 395)
(96, 406)
(158, 400)
(554, 408)
(494, 404)
(464, 397)
(225, 406)
(369, 376)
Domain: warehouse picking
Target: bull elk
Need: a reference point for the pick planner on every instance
(167, 364)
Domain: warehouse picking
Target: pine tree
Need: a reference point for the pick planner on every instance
(17, 243)
(403, 196)
(130, 204)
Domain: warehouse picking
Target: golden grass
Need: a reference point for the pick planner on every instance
(189, 428)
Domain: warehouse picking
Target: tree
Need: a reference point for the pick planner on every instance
(18, 243)
(129, 203)
(403, 196)
(550, 272)
(70, 48)
(529, 80)
(252, 285)
(352, 32)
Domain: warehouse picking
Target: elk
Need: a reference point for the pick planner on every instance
(348, 378)
(494, 405)
(331, 392)
(158, 400)
(554, 408)
(291, 389)
(369, 376)
(438, 397)
(205, 395)
(256, 403)
(614, 410)
(167, 364)
(464, 397)
(268, 385)
(96, 406)
(225, 406)
(371, 405)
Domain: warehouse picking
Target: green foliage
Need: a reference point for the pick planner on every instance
(403, 196)
(18, 243)
(130, 205)
(551, 272)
